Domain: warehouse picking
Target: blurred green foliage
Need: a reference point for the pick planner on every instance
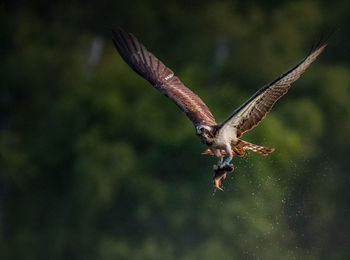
(96, 164)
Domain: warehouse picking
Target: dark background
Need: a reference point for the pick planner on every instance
(96, 164)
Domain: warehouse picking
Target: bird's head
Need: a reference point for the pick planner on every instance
(206, 133)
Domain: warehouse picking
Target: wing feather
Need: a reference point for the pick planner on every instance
(249, 114)
(161, 77)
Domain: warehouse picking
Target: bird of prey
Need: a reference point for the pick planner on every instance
(222, 139)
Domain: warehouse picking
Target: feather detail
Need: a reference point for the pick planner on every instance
(249, 114)
(162, 78)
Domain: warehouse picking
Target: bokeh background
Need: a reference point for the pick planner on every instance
(96, 164)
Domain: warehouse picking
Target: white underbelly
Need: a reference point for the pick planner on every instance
(226, 137)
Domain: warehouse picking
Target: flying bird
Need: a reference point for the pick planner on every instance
(224, 139)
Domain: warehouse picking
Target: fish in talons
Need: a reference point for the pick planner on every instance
(220, 172)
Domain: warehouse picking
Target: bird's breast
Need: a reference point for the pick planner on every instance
(226, 136)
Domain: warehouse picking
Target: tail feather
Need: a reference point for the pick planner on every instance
(241, 147)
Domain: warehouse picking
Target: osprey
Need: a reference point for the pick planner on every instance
(222, 139)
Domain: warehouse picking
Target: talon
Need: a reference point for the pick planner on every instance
(227, 167)
(228, 160)
(220, 163)
(208, 151)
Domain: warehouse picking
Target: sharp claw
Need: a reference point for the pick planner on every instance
(228, 160)
(227, 167)
(208, 151)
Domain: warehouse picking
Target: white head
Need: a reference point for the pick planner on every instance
(206, 133)
(200, 129)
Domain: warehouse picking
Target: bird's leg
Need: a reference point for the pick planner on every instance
(229, 157)
(220, 162)
(228, 160)
(218, 154)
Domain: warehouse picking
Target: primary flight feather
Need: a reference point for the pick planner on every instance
(222, 139)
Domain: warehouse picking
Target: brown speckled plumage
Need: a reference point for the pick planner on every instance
(161, 77)
(222, 139)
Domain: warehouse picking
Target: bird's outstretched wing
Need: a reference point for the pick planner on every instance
(249, 114)
(161, 77)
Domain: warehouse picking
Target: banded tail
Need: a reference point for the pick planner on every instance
(241, 147)
(244, 146)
